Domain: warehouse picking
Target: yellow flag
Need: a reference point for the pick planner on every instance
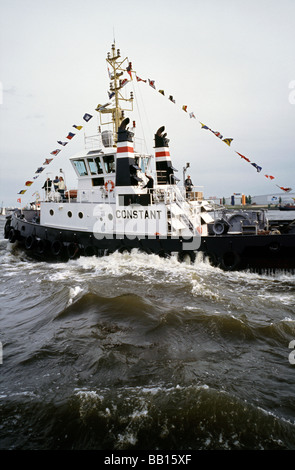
(228, 141)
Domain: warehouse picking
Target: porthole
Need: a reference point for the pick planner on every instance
(70, 214)
(80, 215)
(51, 212)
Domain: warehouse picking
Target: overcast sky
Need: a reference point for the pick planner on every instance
(232, 62)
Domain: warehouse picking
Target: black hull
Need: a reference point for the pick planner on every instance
(254, 252)
(229, 252)
(48, 243)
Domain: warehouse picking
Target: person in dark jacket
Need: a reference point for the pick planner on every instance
(188, 186)
(150, 183)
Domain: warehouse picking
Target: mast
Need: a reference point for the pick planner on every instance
(116, 69)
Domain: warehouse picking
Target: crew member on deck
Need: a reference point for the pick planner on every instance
(55, 183)
(150, 183)
(61, 187)
(188, 186)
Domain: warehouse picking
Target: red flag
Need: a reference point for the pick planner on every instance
(47, 161)
(140, 79)
(129, 69)
(152, 83)
(242, 156)
(285, 189)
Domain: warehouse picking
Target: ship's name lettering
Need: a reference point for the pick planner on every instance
(138, 214)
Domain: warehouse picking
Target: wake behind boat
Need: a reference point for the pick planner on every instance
(126, 199)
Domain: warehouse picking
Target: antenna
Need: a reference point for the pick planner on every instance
(117, 67)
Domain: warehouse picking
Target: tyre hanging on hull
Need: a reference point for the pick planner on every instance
(186, 256)
(7, 229)
(73, 250)
(12, 235)
(90, 250)
(56, 248)
(30, 242)
(41, 246)
(124, 249)
(230, 261)
(211, 257)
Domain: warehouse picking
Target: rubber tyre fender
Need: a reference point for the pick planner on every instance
(30, 242)
(211, 258)
(274, 247)
(12, 235)
(230, 261)
(7, 230)
(90, 250)
(41, 246)
(73, 250)
(124, 249)
(185, 255)
(56, 247)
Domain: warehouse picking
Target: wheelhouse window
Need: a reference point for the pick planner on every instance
(92, 166)
(95, 166)
(109, 163)
(143, 163)
(80, 167)
(99, 165)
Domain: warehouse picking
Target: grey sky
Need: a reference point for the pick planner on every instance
(230, 61)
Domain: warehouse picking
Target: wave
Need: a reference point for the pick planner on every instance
(196, 417)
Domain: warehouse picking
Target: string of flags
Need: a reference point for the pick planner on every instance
(54, 153)
(71, 135)
(87, 117)
(226, 140)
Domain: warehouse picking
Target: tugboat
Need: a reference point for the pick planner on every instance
(126, 199)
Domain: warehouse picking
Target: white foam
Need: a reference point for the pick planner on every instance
(74, 291)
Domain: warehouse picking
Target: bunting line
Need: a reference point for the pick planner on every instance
(228, 141)
(87, 117)
(54, 153)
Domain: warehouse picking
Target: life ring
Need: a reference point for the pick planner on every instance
(106, 185)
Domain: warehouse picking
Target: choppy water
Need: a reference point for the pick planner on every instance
(139, 352)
